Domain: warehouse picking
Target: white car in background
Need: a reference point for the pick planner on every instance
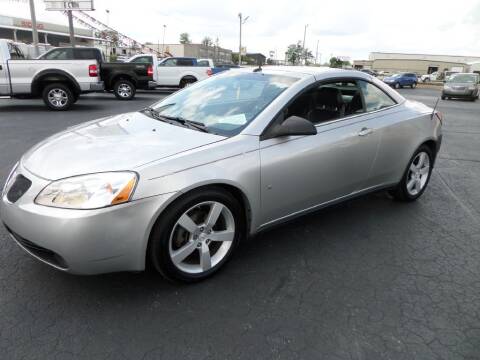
(430, 77)
(176, 71)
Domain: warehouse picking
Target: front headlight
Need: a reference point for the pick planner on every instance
(89, 191)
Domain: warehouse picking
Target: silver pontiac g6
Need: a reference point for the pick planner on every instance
(181, 183)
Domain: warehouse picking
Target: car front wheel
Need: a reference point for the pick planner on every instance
(396, 86)
(196, 235)
(414, 85)
(416, 177)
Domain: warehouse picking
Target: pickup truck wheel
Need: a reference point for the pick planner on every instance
(187, 82)
(58, 97)
(124, 90)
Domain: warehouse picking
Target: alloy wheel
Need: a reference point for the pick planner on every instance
(418, 173)
(57, 97)
(124, 90)
(202, 237)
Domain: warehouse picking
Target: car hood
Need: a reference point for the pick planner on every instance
(121, 142)
(389, 78)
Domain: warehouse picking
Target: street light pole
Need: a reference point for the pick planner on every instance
(163, 41)
(242, 21)
(304, 36)
(70, 27)
(316, 53)
(34, 28)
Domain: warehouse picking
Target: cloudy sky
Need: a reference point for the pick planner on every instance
(344, 28)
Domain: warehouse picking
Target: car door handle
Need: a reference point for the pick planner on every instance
(365, 131)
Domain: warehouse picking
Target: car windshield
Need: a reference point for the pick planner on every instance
(227, 103)
(396, 75)
(462, 78)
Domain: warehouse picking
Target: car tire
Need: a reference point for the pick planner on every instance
(443, 97)
(124, 90)
(179, 253)
(413, 86)
(58, 97)
(416, 176)
(187, 82)
(396, 86)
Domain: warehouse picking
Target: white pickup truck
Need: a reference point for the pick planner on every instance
(58, 82)
(175, 71)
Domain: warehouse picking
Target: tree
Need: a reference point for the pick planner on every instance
(207, 41)
(185, 38)
(295, 53)
(336, 62)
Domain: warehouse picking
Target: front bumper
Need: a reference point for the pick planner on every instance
(458, 93)
(82, 241)
(99, 86)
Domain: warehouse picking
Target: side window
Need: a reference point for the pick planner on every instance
(185, 62)
(329, 101)
(15, 52)
(375, 98)
(203, 63)
(85, 54)
(170, 62)
(143, 60)
(59, 54)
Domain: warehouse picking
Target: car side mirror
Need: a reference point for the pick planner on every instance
(294, 126)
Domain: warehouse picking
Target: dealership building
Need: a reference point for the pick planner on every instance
(20, 29)
(416, 63)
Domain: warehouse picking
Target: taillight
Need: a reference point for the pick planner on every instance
(92, 70)
(209, 72)
(150, 70)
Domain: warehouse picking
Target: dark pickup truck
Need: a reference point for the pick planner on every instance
(122, 78)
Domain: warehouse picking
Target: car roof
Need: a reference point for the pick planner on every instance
(317, 71)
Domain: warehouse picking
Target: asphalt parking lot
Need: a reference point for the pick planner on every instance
(368, 279)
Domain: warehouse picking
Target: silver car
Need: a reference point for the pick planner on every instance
(461, 85)
(181, 183)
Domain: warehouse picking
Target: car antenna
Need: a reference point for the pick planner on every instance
(434, 108)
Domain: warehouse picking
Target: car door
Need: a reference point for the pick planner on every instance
(302, 172)
(167, 72)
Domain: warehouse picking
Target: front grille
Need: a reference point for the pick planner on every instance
(19, 187)
(46, 255)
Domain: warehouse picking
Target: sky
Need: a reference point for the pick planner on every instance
(348, 28)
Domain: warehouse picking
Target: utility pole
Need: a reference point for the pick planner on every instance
(70, 27)
(34, 28)
(163, 41)
(304, 36)
(242, 21)
(316, 53)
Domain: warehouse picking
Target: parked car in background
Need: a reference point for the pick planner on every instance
(229, 156)
(462, 85)
(122, 78)
(430, 77)
(216, 68)
(176, 71)
(401, 80)
(369, 72)
(58, 82)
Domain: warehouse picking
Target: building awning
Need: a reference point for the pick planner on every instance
(53, 33)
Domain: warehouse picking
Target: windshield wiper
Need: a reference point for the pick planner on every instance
(177, 119)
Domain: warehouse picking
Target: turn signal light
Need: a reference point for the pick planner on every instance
(209, 72)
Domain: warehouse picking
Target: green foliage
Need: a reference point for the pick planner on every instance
(336, 62)
(185, 38)
(296, 54)
(207, 41)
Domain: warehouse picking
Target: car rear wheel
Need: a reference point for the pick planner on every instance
(197, 235)
(187, 81)
(124, 90)
(58, 97)
(416, 176)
